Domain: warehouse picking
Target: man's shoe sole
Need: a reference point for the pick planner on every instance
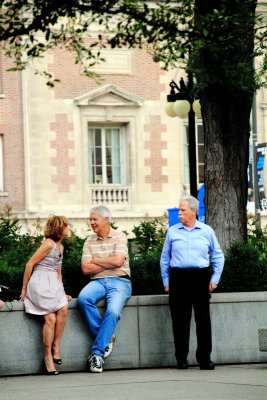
(112, 341)
(96, 370)
(182, 366)
(208, 367)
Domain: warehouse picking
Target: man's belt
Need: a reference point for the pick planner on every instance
(125, 277)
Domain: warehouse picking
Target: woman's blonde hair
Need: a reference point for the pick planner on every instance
(55, 226)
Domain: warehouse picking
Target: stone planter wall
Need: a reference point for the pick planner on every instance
(144, 334)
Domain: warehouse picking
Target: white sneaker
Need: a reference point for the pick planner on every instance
(109, 348)
(95, 363)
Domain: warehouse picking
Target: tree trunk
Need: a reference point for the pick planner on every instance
(226, 101)
(226, 127)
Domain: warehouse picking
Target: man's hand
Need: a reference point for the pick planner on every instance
(166, 289)
(212, 286)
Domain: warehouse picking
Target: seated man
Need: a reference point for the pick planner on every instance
(105, 258)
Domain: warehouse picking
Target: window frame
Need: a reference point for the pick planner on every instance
(198, 123)
(122, 154)
(1, 163)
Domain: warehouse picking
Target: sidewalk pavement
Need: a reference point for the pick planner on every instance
(226, 382)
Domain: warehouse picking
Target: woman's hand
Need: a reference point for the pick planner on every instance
(69, 297)
(23, 294)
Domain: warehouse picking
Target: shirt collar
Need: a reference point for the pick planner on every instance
(198, 225)
(111, 233)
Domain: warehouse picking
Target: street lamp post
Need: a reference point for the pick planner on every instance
(181, 103)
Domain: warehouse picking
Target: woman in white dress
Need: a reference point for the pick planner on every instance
(43, 292)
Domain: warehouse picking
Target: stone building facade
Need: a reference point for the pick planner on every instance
(81, 143)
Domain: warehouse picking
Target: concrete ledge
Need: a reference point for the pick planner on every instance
(263, 339)
(144, 334)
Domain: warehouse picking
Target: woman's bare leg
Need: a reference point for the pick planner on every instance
(61, 318)
(48, 337)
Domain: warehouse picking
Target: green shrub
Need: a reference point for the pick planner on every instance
(15, 250)
(258, 238)
(145, 255)
(145, 271)
(244, 269)
(245, 265)
(73, 278)
(150, 234)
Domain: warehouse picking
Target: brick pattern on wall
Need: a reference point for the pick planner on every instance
(62, 161)
(155, 161)
(144, 82)
(11, 127)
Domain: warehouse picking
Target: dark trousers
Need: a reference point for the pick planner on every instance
(189, 289)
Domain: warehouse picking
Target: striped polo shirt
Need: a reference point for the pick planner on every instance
(114, 243)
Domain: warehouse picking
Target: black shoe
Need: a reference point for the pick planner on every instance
(55, 372)
(57, 361)
(207, 365)
(182, 365)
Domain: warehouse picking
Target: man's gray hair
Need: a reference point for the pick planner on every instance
(102, 211)
(193, 202)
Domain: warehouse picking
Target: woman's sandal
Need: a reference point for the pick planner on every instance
(55, 372)
(58, 361)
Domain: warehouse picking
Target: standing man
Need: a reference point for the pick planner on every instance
(105, 258)
(188, 249)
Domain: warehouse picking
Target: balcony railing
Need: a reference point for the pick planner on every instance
(110, 195)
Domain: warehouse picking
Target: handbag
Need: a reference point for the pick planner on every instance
(8, 294)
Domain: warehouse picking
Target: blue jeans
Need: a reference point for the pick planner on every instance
(116, 291)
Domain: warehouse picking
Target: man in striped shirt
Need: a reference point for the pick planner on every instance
(105, 258)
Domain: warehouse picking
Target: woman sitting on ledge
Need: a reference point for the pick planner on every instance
(43, 292)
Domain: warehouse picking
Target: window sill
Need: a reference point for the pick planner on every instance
(3, 194)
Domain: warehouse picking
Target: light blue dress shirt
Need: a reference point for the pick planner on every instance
(184, 248)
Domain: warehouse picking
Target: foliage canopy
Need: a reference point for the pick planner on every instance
(168, 29)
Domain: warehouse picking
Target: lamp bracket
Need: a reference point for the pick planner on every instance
(181, 92)
(183, 88)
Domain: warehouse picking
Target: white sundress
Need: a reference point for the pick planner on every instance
(45, 292)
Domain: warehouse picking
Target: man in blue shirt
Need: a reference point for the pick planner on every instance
(189, 248)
